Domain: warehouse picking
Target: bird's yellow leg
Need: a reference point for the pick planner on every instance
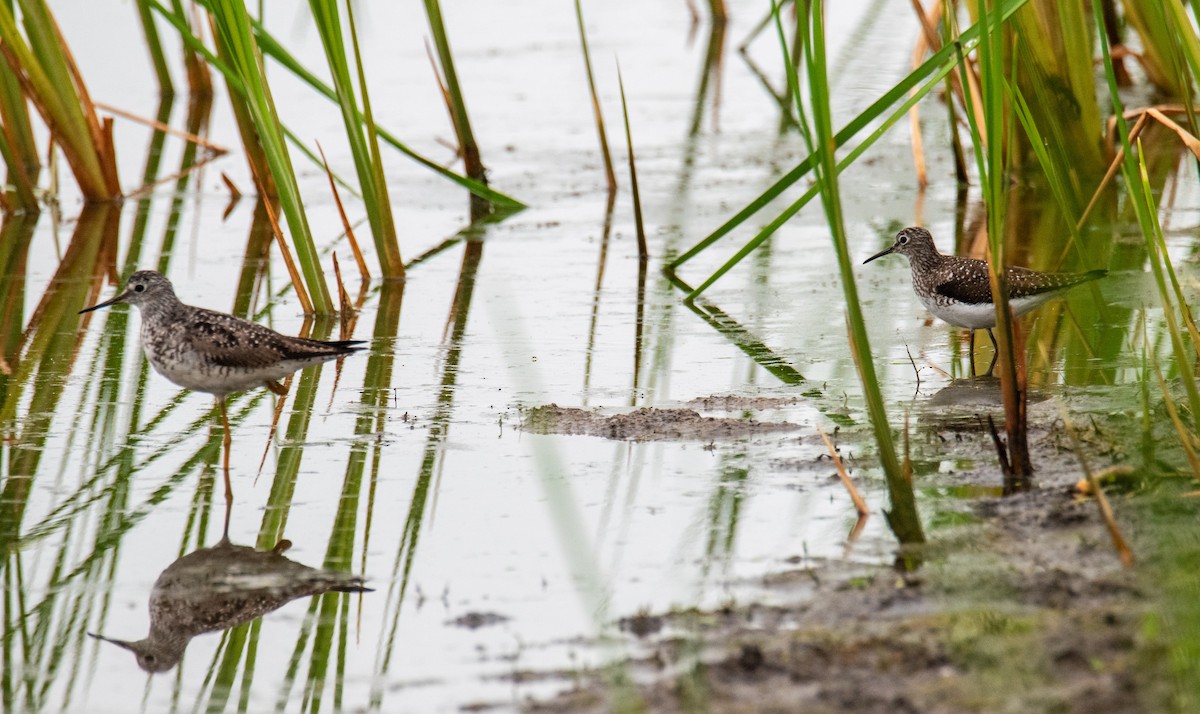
(227, 443)
(971, 351)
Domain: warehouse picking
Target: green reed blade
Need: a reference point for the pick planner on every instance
(1052, 169)
(903, 517)
(272, 48)
(328, 20)
(193, 44)
(858, 150)
(1054, 63)
(458, 106)
(609, 174)
(50, 84)
(276, 51)
(389, 245)
(1159, 37)
(639, 224)
(17, 145)
(1137, 184)
(232, 29)
(166, 87)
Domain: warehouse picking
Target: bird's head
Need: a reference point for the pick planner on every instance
(910, 242)
(144, 286)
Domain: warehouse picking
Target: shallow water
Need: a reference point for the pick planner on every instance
(458, 512)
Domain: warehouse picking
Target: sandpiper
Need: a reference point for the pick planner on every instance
(957, 289)
(215, 352)
(220, 587)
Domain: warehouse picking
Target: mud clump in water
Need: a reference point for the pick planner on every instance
(645, 424)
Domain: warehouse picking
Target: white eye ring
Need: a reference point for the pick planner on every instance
(903, 240)
(138, 288)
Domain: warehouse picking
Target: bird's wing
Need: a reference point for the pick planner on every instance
(233, 342)
(973, 287)
(965, 284)
(1023, 282)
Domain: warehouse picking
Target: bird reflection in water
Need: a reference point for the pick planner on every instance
(214, 589)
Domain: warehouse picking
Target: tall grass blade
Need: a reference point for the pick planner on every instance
(903, 516)
(1137, 184)
(480, 207)
(858, 150)
(609, 174)
(17, 145)
(364, 147)
(1052, 61)
(158, 59)
(1160, 56)
(233, 31)
(640, 225)
(990, 141)
(274, 49)
(41, 62)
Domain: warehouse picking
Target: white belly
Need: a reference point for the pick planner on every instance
(980, 316)
(189, 370)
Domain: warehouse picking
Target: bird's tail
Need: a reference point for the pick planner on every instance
(353, 586)
(346, 346)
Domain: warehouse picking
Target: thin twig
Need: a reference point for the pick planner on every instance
(916, 371)
(859, 504)
(165, 128)
(1106, 512)
(297, 280)
(337, 199)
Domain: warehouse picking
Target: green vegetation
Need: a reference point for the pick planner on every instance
(1023, 98)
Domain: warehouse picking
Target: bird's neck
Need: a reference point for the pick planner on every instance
(160, 309)
(925, 260)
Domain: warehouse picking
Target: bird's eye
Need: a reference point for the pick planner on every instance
(149, 658)
(902, 240)
(139, 288)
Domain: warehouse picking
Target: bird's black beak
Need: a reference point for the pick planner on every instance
(119, 643)
(880, 254)
(114, 301)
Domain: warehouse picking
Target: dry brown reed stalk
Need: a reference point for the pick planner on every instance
(288, 260)
(345, 326)
(234, 193)
(337, 199)
(347, 307)
(1106, 512)
(287, 383)
(165, 128)
(441, 82)
(926, 41)
(172, 177)
(859, 504)
(101, 131)
(1143, 115)
(285, 386)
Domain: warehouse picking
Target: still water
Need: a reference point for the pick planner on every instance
(496, 556)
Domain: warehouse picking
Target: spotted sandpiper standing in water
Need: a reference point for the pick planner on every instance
(957, 289)
(216, 352)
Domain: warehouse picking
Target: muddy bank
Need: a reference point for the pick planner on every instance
(1025, 609)
(645, 424)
